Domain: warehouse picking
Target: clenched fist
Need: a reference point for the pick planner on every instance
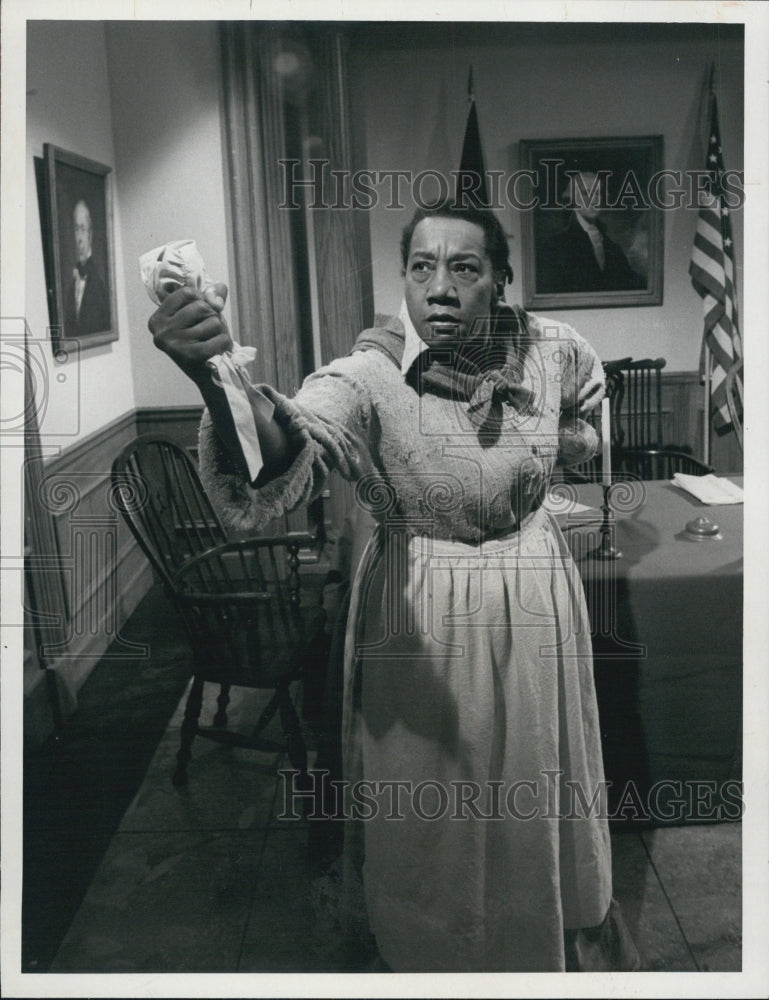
(190, 329)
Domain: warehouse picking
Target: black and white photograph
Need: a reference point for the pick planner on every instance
(595, 237)
(78, 246)
(383, 539)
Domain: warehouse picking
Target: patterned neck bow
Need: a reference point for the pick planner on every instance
(486, 379)
(501, 385)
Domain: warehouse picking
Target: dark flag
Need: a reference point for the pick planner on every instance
(471, 178)
(712, 273)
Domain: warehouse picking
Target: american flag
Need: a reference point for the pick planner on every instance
(712, 273)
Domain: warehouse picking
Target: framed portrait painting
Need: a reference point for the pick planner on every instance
(593, 229)
(78, 246)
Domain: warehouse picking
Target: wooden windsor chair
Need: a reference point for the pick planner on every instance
(634, 388)
(247, 618)
(638, 448)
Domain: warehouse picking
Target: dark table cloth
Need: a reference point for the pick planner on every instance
(667, 635)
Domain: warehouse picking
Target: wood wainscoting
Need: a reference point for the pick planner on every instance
(101, 573)
(178, 423)
(682, 423)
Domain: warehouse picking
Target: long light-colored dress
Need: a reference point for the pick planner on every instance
(470, 721)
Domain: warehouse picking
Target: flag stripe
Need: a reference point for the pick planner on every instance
(707, 255)
(709, 233)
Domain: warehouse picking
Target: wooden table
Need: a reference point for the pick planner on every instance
(667, 636)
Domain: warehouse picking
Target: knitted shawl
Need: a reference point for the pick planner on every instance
(486, 376)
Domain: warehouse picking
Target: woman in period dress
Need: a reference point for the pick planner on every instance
(470, 728)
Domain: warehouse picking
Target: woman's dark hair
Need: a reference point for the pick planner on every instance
(494, 239)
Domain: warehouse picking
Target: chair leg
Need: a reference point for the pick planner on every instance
(267, 714)
(220, 719)
(189, 730)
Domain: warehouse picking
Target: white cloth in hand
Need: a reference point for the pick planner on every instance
(172, 266)
(175, 265)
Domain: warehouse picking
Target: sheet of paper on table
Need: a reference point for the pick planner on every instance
(710, 489)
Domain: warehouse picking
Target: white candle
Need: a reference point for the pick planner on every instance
(606, 441)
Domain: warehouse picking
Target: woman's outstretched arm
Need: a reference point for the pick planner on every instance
(191, 330)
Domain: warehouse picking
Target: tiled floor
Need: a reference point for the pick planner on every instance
(123, 872)
(211, 879)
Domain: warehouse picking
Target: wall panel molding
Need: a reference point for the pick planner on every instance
(683, 404)
(88, 557)
(178, 423)
(85, 564)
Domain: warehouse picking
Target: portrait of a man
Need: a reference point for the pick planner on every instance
(78, 247)
(579, 255)
(86, 302)
(592, 234)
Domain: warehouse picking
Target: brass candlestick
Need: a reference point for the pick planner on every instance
(605, 549)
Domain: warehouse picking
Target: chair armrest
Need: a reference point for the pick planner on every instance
(190, 586)
(672, 453)
(224, 598)
(658, 463)
(217, 551)
(291, 538)
(190, 591)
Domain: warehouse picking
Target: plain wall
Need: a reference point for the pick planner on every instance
(166, 112)
(551, 81)
(144, 99)
(68, 105)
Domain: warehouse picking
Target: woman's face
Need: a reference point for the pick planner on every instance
(449, 281)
